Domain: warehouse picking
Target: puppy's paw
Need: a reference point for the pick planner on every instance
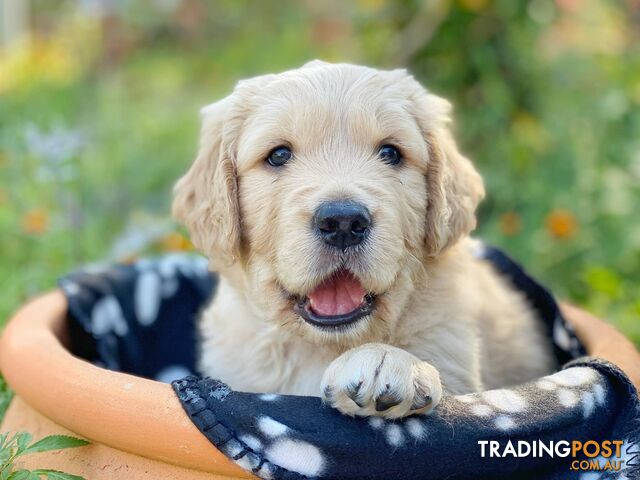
(381, 380)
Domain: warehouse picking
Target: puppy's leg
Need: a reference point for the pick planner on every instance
(380, 380)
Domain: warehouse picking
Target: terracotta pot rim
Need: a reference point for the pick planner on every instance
(129, 413)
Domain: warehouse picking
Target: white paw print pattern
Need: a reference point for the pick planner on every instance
(107, 316)
(277, 447)
(296, 456)
(172, 372)
(158, 280)
(573, 388)
(147, 297)
(272, 428)
(498, 405)
(398, 434)
(564, 337)
(505, 400)
(269, 397)
(70, 288)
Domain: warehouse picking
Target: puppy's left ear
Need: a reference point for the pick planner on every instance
(454, 187)
(206, 197)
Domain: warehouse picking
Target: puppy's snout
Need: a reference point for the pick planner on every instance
(342, 224)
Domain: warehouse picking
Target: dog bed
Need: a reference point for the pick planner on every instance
(140, 318)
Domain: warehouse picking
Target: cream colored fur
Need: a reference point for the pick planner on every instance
(443, 320)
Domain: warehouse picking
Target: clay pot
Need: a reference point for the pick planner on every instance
(136, 426)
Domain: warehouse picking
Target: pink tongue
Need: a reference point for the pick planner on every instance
(338, 295)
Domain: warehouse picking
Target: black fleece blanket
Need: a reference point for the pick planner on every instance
(140, 318)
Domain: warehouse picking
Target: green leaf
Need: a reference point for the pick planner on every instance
(23, 441)
(5, 454)
(6, 470)
(56, 442)
(11, 441)
(23, 475)
(56, 475)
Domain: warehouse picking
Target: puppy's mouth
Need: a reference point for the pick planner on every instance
(338, 301)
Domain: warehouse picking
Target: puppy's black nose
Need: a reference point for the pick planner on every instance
(342, 224)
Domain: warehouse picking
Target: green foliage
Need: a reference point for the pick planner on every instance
(14, 446)
(55, 475)
(55, 442)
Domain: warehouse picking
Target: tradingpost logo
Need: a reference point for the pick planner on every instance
(591, 455)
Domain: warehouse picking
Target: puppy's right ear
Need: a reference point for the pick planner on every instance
(454, 187)
(206, 197)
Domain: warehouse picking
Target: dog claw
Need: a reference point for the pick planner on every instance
(421, 402)
(328, 393)
(386, 401)
(352, 392)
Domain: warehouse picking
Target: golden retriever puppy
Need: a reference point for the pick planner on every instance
(336, 207)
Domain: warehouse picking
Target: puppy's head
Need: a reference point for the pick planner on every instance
(322, 191)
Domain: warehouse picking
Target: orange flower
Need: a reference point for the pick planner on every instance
(176, 242)
(330, 30)
(510, 223)
(561, 224)
(36, 221)
(569, 5)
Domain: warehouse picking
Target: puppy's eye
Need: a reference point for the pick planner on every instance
(279, 156)
(389, 154)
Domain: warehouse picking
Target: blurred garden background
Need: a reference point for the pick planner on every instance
(99, 109)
